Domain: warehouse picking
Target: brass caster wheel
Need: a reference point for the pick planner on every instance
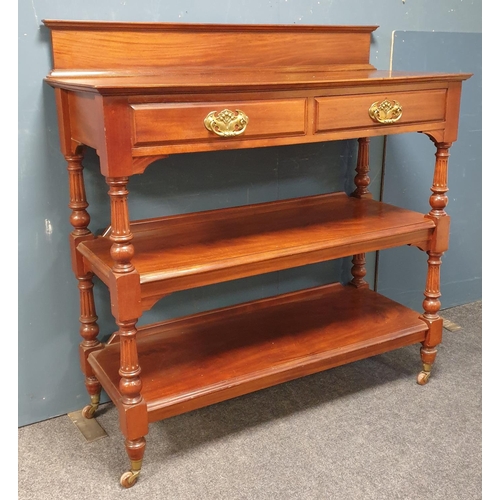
(423, 377)
(128, 479)
(89, 411)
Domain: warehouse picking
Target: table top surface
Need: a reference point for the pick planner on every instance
(239, 78)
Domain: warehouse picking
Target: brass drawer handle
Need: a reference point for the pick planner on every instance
(386, 111)
(226, 123)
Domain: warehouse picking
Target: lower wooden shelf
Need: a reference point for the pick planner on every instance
(206, 358)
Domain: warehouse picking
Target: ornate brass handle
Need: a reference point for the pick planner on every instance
(226, 123)
(386, 111)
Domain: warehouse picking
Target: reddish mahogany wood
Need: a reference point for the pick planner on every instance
(142, 69)
(185, 251)
(158, 122)
(241, 79)
(340, 113)
(192, 45)
(137, 92)
(203, 359)
(164, 122)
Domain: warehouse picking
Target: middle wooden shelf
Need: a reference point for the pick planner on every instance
(196, 249)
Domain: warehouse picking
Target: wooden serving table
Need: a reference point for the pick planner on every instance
(137, 92)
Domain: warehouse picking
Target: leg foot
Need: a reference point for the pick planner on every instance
(129, 478)
(423, 376)
(428, 355)
(89, 410)
(135, 450)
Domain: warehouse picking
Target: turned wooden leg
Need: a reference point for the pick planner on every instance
(130, 389)
(122, 250)
(362, 181)
(89, 329)
(358, 271)
(135, 450)
(438, 246)
(125, 292)
(431, 306)
(130, 382)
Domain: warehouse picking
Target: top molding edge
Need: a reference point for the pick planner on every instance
(58, 24)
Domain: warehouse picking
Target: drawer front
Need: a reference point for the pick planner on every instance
(379, 110)
(169, 123)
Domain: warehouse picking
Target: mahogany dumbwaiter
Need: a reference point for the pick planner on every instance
(138, 92)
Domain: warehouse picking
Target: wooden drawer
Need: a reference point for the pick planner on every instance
(348, 112)
(185, 122)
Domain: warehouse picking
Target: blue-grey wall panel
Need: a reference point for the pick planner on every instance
(50, 382)
(409, 170)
